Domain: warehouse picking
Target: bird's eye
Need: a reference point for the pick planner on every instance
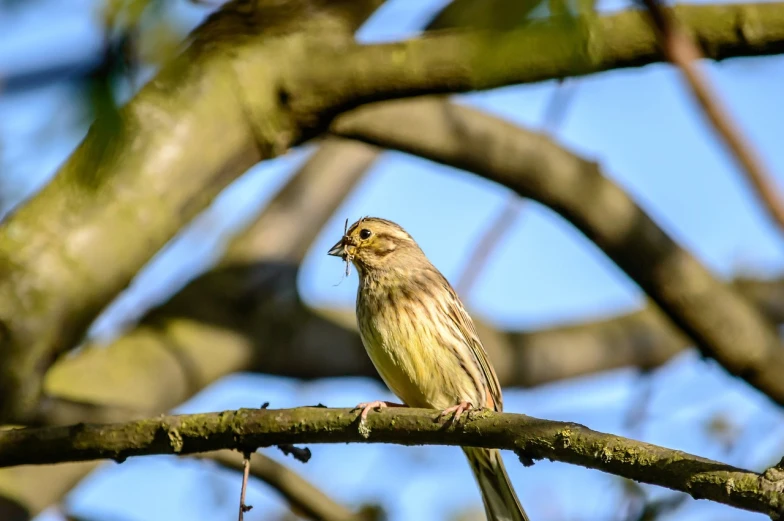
(364, 233)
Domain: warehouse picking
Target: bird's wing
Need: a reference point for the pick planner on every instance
(466, 326)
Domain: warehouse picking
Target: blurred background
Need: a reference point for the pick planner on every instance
(64, 61)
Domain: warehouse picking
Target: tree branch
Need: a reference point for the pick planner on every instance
(554, 114)
(724, 325)
(489, 239)
(55, 277)
(531, 438)
(684, 53)
(303, 496)
(322, 343)
(464, 60)
(162, 363)
(263, 326)
(248, 304)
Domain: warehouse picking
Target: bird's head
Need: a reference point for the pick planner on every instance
(373, 244)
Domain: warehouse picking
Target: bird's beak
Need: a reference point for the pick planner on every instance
(339, 249)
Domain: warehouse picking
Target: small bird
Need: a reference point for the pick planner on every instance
(423, 343)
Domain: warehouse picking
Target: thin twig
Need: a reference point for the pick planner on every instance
(301, 495)
(558, 105)
(245, 472)
(488, 241)
(683, 52)
(639, 409)
(554, 114)
(299, 454)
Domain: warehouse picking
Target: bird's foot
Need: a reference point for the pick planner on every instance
(458, 410)
(373, 406)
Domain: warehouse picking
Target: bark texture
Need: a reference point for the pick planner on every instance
(531, 438)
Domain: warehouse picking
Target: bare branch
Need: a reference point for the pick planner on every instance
(724, 325)
(682, 51)
(554, 114)
(301, 495)
(487, 243)
(532, 438)
(323, 343)
(245, 473)
(558, 106)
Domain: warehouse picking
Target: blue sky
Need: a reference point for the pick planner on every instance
(640, 124)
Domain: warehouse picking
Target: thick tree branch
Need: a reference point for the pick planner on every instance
(72, 248)
(248, 304)
(531, 438)
(162, 363)
(255, 81)
(462, 60)
(323, 343)
(724, 325)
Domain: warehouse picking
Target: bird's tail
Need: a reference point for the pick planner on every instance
(501, 503)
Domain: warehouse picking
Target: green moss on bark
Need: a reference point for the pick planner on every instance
(531, 438)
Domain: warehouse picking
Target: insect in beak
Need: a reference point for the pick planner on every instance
(341, 248)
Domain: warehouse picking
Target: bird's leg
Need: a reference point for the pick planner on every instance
(458, 409)
(376, 405)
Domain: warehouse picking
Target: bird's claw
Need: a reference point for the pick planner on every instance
(374, 406)
(369, 406)
(458, 410)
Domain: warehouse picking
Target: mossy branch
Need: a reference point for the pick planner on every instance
(184, 137)
(218, 308)
(531, 438)
(465, 60)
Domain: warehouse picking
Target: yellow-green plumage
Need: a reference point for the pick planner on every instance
(397, 313)
(423, 343)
